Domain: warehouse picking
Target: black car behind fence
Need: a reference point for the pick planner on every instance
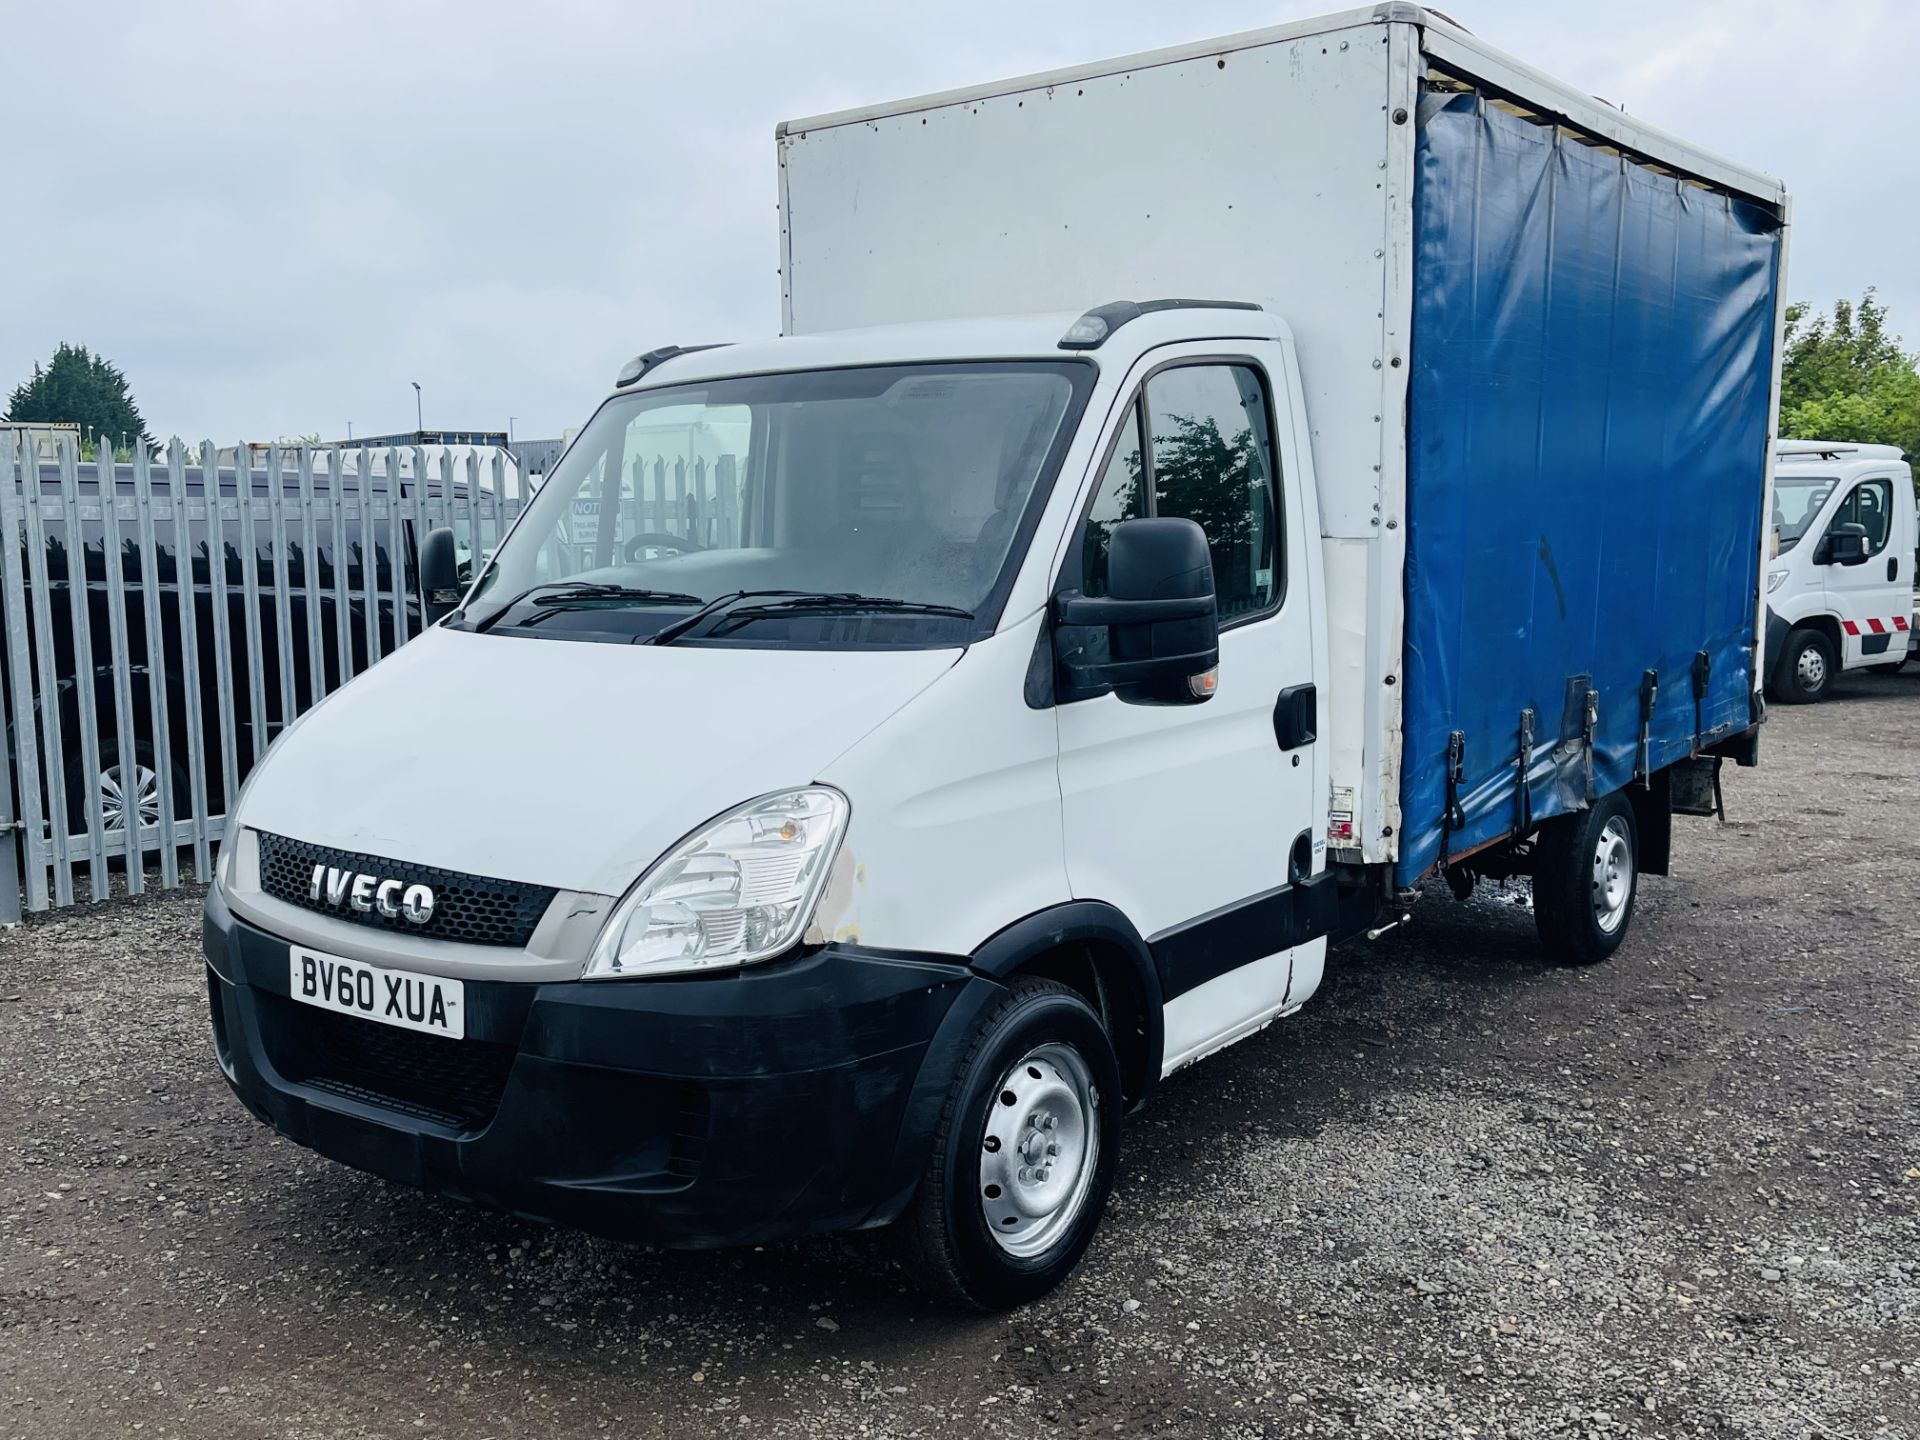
(166, 617)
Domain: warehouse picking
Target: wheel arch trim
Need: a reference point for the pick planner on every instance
(1000, 957)
(1086, 922)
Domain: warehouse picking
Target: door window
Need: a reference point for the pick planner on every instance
(1871, 507)
(1207, 456)
(1212, 462)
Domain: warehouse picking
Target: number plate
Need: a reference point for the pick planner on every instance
(429, 1003)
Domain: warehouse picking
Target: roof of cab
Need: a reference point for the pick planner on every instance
(1791, 452)
(1002, 337)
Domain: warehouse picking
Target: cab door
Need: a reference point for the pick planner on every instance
(1872, 600)
(1197, 820)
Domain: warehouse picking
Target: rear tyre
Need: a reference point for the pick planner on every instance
(1585, 880)
(1806, 669)
(1024, 1155)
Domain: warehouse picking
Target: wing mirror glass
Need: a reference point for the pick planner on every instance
(1154, 637)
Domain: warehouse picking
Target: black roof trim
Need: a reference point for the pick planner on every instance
(1101, 321)
(636, 369)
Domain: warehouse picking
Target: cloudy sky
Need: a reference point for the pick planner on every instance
(275, 214)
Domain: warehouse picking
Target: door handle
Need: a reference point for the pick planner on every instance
(1893, 567)
(1295, 716)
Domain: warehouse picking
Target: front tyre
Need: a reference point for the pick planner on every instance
(1024, 1155)
(1585, 879)
(1806, 669)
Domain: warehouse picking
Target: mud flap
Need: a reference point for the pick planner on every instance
(1694, 785)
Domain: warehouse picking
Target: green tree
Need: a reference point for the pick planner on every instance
(1205, 476)
(81, 388)
(1844, 377)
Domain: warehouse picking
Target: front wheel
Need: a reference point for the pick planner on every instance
(1024, 1155)
(1806, 670)
(1585, 879)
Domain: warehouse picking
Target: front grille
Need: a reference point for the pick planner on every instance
(455, 1083)
(470, 909)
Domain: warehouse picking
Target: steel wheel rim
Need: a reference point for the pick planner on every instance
(1040, 1150)
(1612, 875)
(114, 799)
(1812, 667)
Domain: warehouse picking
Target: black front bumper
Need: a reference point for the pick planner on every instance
(786, 1098)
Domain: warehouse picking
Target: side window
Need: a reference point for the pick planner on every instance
(1122, 496)
(1199, 448)
(1212, 461)
(1870, 506)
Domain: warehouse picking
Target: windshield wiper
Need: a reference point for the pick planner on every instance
(674, 629)
(783, 602)
(849, 604)
(558, 595)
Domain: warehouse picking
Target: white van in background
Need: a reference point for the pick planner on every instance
(1840, 591)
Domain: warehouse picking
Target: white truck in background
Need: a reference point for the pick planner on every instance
(1841, 587)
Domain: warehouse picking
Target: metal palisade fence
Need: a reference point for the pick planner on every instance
(166, 617)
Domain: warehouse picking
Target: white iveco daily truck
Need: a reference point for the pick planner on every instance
(1198, 502)
(1842, 582)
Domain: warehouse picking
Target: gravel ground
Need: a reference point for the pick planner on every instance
(1463, 1193)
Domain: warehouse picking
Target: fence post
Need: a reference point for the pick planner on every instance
(22, 715)
(9, 852)
(9, 831)
(9, 859)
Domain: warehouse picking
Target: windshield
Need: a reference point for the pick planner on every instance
(900, 485)
(1797, 502)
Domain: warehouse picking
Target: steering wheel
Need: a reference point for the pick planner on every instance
(656, 540)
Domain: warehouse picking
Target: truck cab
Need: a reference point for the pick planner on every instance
(1841, 584)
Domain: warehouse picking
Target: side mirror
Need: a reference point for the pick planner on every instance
(1846, 544)
(1161, 622)
(439, 571)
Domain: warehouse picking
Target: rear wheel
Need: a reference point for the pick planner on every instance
(131, 792)
(1806, 669)
(1024, 1155)
(1585, 879)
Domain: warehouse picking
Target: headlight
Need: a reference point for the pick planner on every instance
(738, 891)
(1775, 579)
(230, 837)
